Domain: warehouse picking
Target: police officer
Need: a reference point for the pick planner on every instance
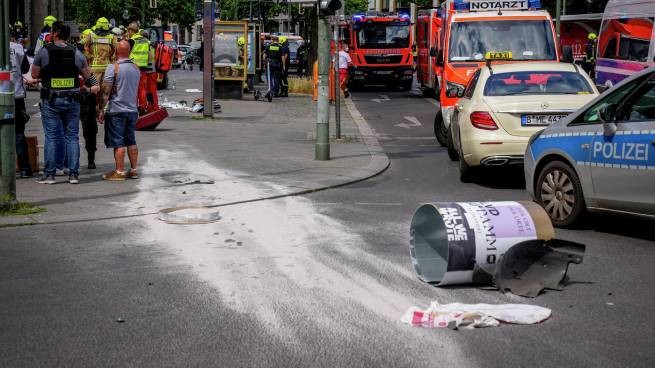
(58, 66)
(19, 31)
(589, 63)
(19, 66)
(45, 37)
(100, 50)
(284, 73)
(274, 57)
(140, 52)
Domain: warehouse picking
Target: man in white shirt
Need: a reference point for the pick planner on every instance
(344, 62)
(19, 66)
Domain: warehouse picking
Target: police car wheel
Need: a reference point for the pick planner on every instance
(440, 130)
(559, 192)
(452, 152)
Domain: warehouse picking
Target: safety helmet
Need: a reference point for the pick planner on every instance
(47, 21)
(102, 23)
(241, 41)
(117, 31)
(592, 36)
(18, 24)
(282, 39)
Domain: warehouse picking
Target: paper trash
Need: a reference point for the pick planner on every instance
(457, 315)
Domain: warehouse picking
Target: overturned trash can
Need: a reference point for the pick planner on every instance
(462, 243)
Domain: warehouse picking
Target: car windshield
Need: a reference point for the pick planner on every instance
(536, 83)
(527, 40)
(383, 36)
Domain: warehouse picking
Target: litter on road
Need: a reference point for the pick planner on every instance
(192, 90)
(457, 315)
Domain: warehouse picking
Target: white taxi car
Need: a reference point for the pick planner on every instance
(504, 105)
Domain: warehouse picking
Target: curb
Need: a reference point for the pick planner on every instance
(379, 163)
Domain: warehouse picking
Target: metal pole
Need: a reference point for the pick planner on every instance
(564, 8)
(7, 128)
(207, 57)
(392, 6)
(323, 113)
(558, 4)
(337, 91)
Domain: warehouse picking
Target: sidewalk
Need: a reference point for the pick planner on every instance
(268, 145)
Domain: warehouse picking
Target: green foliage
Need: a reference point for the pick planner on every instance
(9, 207)
(355, 6)
(86, 12)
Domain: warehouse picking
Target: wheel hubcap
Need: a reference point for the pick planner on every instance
(558, 195)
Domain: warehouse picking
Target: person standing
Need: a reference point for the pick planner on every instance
(100, 50)
(589, 62)
(119, 112)
(140, 51)
(284, 73)
(46, 33)
(19, 66)
(58, 66)
(274, 57)
(302, 55)
(344, 62)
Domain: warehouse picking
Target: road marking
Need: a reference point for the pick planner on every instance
(382, 98)
(413, 120)
(432, 101)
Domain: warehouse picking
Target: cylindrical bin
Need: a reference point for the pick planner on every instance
(456, 243)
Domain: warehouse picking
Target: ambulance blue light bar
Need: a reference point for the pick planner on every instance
(495, 5)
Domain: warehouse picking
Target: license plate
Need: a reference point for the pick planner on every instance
(540, 119)
(384, 72)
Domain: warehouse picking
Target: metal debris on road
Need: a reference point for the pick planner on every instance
(189, 215)
(469, 316)
(528, 268)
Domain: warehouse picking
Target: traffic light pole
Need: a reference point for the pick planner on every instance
(7, 128)
(323, 113)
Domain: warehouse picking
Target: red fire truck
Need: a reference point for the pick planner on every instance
(456, 38)
(380, 46)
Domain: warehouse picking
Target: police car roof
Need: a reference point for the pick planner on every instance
(540, 14)
(532, 66)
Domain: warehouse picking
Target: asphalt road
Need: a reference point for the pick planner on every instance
(314, 281)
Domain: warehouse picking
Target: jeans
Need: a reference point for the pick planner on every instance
(21, 143)
(275, 69)
(61, 125)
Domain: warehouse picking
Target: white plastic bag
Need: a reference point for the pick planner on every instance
(457, 315)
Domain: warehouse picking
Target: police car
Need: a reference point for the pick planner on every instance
(600, 158)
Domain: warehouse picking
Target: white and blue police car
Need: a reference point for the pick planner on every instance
(599, 158)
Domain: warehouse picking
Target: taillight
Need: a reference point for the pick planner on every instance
(483, 120)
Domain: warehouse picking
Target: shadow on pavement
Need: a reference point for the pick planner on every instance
(501, 178)
(619, 224)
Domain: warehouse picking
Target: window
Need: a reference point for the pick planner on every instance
(641, 105)
(592, 116)
(536, 83)
(633, 49)
(610, 50)
(470, 88)
(383, 36)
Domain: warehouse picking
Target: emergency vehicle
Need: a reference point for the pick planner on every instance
(380, 46)
(457, 36)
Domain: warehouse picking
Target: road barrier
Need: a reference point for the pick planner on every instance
(460, 243)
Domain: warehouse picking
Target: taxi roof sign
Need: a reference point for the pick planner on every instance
(496, 5)
(498, 55)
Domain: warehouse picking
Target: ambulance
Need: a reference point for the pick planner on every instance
(463, 32)
(380, 46)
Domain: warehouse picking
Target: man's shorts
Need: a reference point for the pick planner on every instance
(120, 129)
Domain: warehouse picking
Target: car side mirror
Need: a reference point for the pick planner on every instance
(439, 61)
(607, 115)
(567, 54)
(454, 92)
(433, 52)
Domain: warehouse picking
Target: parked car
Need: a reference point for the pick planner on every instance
(600, 158)
(503, 105)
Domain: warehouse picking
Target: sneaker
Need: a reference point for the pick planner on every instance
(91, 166)
(46, 179)
(25, 174)
(346, 94)
(133, 174)
(114, 176)
(73, 179)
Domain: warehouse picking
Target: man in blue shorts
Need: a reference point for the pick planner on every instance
(119, 112)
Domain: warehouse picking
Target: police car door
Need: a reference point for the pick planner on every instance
(623, 164)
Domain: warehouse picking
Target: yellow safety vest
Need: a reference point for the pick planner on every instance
(140, 51)
(101, 50)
